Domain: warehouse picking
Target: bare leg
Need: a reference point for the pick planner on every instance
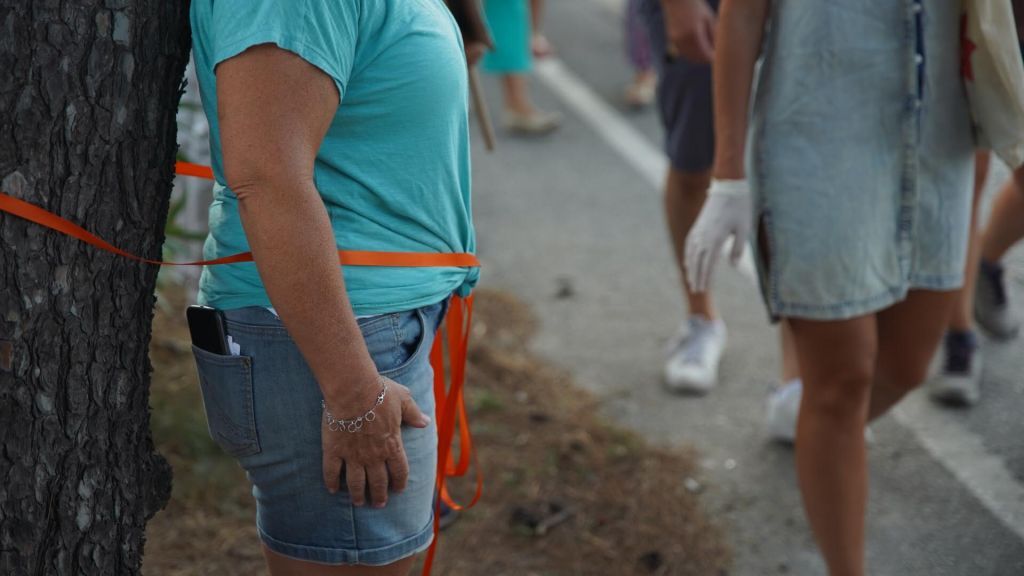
(852, 369)
(908, 334)
(790, 362)
(536, 15)
(961, 318)
(1006, 224)
(837, 361)
(283, 566)
(539, 44)
(517, 94)
(684, 197)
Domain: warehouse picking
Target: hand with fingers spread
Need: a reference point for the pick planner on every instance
(369, 447)
(726, 213)
(690, 28)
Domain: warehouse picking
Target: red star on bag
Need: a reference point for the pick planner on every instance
(967, 49)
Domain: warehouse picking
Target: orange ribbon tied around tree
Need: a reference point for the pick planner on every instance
(448, 392)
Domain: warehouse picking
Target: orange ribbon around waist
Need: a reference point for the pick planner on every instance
(449, 399)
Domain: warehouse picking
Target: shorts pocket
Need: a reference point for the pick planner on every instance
(226, 384)
(397, 348)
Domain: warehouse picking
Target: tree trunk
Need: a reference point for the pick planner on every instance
(88, 92)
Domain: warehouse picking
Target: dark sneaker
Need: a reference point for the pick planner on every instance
(958, 382)
(992, 307)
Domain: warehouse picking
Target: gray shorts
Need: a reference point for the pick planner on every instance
(684, 99)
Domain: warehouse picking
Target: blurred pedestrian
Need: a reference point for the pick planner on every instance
(684, 103)
(510, 25)
(984, 297)
(641, 90)
(861, 209)
(333, 124)
(993, 308)
(540, 47)
(681, 36)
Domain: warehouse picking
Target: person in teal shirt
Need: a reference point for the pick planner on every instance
(394, 167)
(333, 125)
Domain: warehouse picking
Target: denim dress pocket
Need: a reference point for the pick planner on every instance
(226, 384)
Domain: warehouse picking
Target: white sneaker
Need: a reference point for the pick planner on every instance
(535, 123)
(692, 365)
(783, 410)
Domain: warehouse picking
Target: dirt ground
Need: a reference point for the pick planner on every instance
(565, 492)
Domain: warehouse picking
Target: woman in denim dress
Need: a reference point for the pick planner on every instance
(859, 163)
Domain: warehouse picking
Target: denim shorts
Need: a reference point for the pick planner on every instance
(263, 408)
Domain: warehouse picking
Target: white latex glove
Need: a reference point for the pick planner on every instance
(726, 213)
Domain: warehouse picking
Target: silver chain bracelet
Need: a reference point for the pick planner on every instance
(355, 425)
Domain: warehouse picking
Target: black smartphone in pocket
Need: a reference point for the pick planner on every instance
(208, 329)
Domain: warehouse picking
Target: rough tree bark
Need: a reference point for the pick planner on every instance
(88, 92)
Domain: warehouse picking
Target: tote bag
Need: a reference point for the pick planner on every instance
(993, 74)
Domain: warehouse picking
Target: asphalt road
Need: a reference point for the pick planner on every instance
(579, 212)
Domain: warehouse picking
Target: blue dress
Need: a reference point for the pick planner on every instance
(861, 155)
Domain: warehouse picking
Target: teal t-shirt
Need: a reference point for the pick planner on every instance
(393, 170)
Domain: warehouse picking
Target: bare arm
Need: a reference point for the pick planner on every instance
(275, 109)
(726, 212)
(740, 30)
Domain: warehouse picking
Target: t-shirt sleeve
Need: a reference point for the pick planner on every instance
(324, 33)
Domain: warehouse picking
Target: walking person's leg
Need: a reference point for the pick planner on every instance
(684, 196)
(960, 319)
(536, 15)
(539, 45)
(837, 361)
(784, 401)
(908, 335)
(684, 102)
(993, 309)
(790, 361)
(692, 366)
(958, 380)
(854, 371)
(641, 90)
(1006, 223)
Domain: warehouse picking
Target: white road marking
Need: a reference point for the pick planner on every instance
(947, 440)
(964, 454)
(633, 146)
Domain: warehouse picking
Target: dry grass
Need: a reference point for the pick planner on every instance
(544, 451)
